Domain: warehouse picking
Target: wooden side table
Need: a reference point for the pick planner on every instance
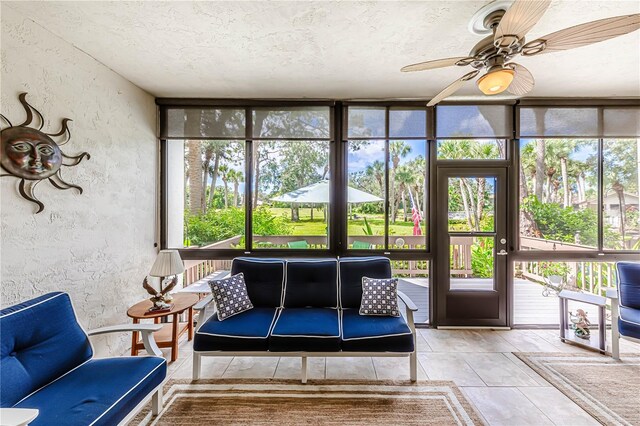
(170, 333)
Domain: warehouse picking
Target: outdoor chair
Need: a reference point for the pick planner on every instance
(361, 245)
(298, 244)
(48, 375)
(625, 306)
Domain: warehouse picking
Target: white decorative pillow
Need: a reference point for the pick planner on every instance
(230, 296)
(379, 297)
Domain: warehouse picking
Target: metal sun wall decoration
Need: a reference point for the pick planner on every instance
(33, 155)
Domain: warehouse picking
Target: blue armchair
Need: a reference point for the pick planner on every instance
(625, 306)
(47, 368)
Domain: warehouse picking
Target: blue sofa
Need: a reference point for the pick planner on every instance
(625, 306)
(306, 307)
(47, 365)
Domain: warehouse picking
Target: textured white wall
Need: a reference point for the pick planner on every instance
(97, 246)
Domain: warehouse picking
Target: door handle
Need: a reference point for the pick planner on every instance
(502, 252)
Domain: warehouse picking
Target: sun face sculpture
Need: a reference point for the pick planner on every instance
(33, 155)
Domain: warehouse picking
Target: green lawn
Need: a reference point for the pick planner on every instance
(317, 226)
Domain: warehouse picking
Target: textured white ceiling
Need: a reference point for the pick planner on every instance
(324, 49)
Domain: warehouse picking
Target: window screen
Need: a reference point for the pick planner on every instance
(473, 121)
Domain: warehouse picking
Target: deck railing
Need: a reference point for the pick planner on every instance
(592, 277)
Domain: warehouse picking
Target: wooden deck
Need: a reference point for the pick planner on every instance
(530, 308)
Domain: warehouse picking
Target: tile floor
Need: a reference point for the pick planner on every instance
(504, 390)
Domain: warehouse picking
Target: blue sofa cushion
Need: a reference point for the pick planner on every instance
(365, 333)
(248, 331)
(306, 329)
(629, 284)
(264, 279)
(352, 270)
(311, 283)
(41, 340)
(629, 322)
(98, 392)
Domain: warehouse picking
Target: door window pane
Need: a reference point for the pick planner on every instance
(620, 200)
(205, 194)
(407, 194)
(472, 204)
(558, 194)
(471, 263)
(290, 194)
(365, 206)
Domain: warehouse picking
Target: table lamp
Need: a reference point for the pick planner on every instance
(168, 264)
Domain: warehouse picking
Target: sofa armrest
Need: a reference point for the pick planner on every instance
(146, 330)
(202, 304)
(17, 416)
(407, 301)
(612, 293)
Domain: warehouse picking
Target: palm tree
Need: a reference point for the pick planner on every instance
(194, 159)
(224, 175)
(397, 150)
(405, 177)
(236, 177)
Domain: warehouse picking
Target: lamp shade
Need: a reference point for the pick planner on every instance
(495, 82)
(167, 263)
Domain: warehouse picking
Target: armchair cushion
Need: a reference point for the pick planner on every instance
(352, 270)
(629, 322)
(306, 329)
(41, 340)
(248, 331)
(362, 333)
(264, 279)
(98, 392)
(629, 284)
(311, 283)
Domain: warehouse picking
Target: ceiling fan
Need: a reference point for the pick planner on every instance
(509, 25)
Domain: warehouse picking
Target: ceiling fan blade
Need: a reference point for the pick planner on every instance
(438, 63)
(452, 88)
(523, 81)
(583, 35)
(518, 20)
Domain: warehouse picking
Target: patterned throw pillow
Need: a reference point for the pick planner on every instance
(230, 296)
(379, 297)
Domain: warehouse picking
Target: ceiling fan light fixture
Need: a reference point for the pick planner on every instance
(495, 82)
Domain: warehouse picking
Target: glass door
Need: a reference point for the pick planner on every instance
(471, 253)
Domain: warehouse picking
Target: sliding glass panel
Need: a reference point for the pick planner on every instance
(558, 194)
(291, 194)
(292, 123)
(366, 122)
(204, 122)
(620, 204)
(472, 149)
(407, 194)
(205, 194)
(366, 180)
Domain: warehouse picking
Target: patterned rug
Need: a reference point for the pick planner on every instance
(609, 390)
(322, 402)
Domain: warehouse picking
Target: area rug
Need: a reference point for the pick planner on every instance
(609, 390)
(322, 402)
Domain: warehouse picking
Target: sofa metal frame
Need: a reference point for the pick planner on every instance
(201, 308)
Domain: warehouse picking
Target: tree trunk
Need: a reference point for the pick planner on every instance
(226, 193)
(581, 188)
(257, 130)
(205, 174)
(482, 182)
(214, 177)
(565, 182)
(236, 184)
(465, 203)
(194, 158)
(619, 189)
(540, 169)
(392, 195)
(295, 213)
(312, 212)
(404, 204)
